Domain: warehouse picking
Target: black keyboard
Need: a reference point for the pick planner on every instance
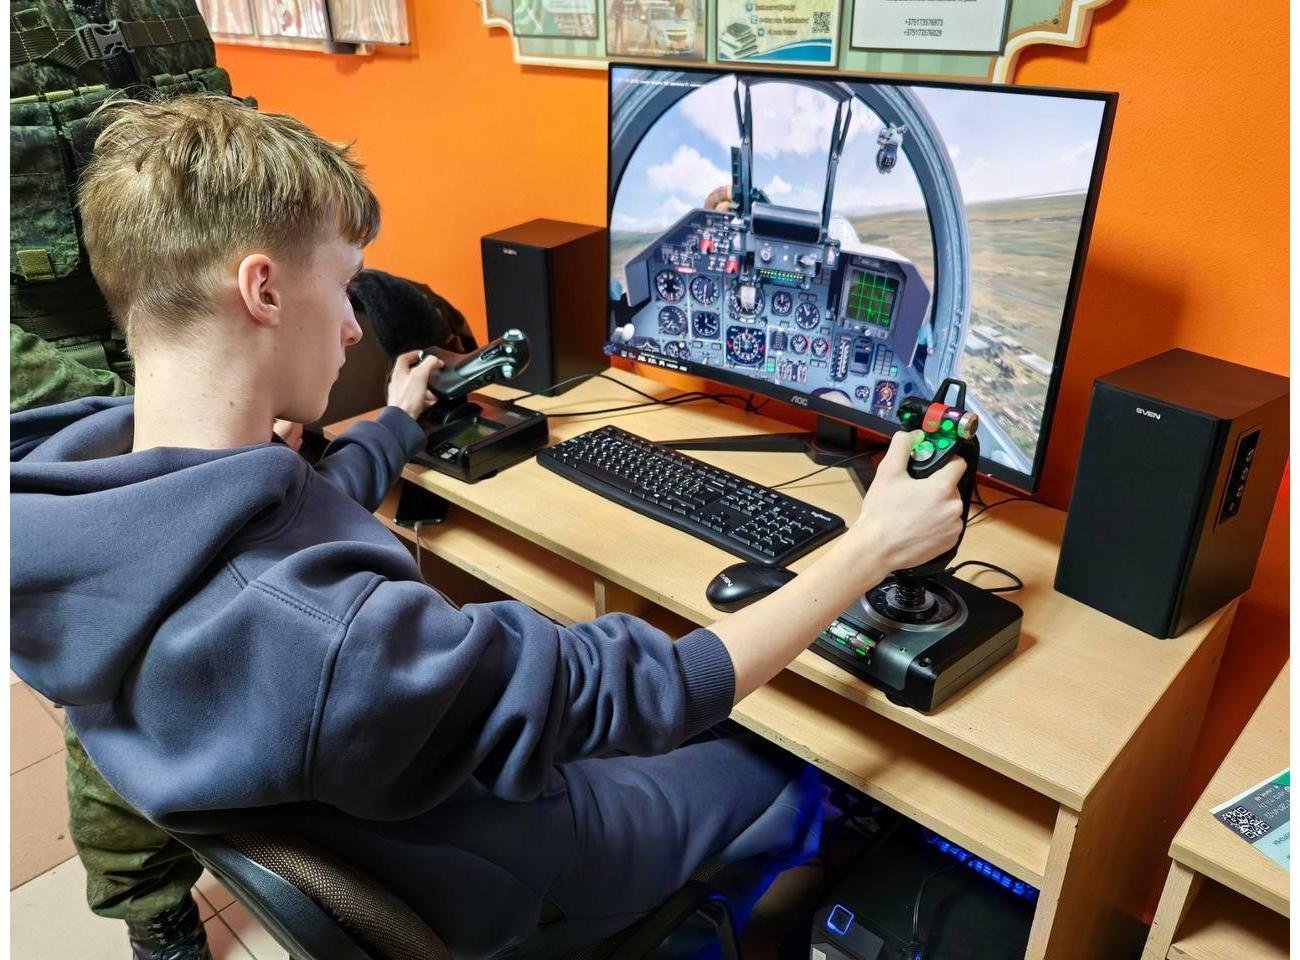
(721, 508)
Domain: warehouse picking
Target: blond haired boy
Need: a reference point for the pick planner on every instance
(245, 646)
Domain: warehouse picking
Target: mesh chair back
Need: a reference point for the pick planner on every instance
(382, 923)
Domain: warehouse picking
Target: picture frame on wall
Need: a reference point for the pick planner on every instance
(306, 19)
(370, 21)
(923, 26)
(664, 29)
(228, 17)
(556, 19)
(798, 32)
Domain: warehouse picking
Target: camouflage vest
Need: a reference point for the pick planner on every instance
(66, 58)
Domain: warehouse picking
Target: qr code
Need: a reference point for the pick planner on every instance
(1245, 823)
(822, 22)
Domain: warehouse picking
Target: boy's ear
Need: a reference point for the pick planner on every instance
(256, 276)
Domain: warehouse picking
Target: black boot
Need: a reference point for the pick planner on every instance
(171, 935)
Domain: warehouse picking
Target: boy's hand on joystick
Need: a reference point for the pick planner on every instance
(906, 521)
(408, 387)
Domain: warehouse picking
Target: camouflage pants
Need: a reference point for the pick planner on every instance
(42, 373)
(134, 870)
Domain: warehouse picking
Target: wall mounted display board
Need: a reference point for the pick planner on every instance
(228, 17)
(332, 26)
(931, 26)
(369, 21)
(555, 18)
(799, 32)
(292, 18)
(661, 29)
(971, 40)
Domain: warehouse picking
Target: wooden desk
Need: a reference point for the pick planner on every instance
(1225, 900)
(1058, 766)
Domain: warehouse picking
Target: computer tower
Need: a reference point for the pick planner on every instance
(547, 278)
(915, 894)
(1182, 456)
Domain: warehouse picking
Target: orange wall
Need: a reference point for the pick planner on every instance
(1190, 247)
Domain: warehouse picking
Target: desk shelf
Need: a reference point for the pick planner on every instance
(1224, 925)
(552, 585)
(989, 814)
(1224, 900)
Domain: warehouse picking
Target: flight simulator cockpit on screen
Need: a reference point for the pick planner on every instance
(849, 243)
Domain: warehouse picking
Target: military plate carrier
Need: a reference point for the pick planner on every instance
(67, 57)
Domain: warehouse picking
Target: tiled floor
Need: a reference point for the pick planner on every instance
(48, 913)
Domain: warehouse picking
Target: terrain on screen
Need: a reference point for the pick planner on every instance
(1023, 254)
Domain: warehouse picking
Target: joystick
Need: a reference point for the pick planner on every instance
(472, 436)
(923, 634)
(503, 359)
(948, 433)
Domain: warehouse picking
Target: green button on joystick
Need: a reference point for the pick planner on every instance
(923, 451)
(948, 426)
(944, 443)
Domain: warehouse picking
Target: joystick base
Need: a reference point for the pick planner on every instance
(920, 658)
(913, 603)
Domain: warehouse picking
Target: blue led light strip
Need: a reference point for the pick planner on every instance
(1004, 880)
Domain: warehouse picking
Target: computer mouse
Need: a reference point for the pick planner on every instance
(742, 583)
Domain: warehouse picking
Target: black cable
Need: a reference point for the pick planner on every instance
(1019, 584)
(679, 399)
(692, 396)
(548, 391)
(829, 466)
(915, 943)
(990, 506)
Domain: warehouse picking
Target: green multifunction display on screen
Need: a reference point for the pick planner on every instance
(871, 297)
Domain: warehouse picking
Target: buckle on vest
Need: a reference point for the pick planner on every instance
(100, 41)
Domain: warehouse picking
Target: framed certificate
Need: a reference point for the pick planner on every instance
(292, 18)
(931, 26)
(369, 21)
(564, 19)
(801, 32)
(671, 29)
(229, 17)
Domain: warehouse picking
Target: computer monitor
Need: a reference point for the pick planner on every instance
(842, 242)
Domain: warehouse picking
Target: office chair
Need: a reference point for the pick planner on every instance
(319, 908)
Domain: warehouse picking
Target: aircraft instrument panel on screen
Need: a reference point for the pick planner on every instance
(848, 243)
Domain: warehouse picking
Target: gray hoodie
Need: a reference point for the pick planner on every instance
(234, 635)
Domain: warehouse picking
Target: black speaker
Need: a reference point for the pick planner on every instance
(1181, 461)
(547, 278)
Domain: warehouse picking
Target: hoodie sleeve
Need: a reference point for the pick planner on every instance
(423, 697)
(368, 458)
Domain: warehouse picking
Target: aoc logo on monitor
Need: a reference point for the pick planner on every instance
(798, 399)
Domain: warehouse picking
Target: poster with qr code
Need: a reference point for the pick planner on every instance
(1262, 817)
(804, 32)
